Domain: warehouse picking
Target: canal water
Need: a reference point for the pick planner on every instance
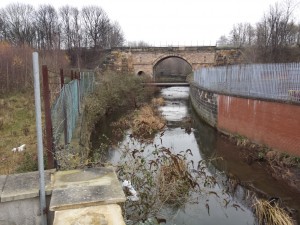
(226, 202)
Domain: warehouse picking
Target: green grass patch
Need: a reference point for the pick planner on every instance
(17, 126)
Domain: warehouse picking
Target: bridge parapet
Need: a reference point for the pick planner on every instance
(142, 60)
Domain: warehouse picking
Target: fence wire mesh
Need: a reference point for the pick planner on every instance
(66, 108)
(269, 81)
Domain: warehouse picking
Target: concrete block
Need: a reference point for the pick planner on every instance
(100, 215)
(24, 185)
(2, 182)
(83, 188)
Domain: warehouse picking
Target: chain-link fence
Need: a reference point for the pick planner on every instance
(65, 110)
(269, 81)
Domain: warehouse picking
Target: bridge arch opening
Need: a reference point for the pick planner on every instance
(171, 69)
(141, 73)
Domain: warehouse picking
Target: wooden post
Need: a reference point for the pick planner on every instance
(48, 121)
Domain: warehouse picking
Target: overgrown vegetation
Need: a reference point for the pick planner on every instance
(161, 178)
(16, 66)
(144, 123)
(269, 212)
(113, 93)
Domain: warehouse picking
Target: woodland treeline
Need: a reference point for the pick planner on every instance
(61, 36)
(275, 38)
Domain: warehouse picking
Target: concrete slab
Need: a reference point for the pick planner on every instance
(83, 188)
(24, 185)
(2, 222)
(2, 182)
(95, 215)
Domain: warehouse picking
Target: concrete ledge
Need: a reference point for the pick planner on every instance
(82, 188)
(2, 182)
(100, 215)
(23, 185)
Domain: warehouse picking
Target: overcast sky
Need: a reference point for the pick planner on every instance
(173, 22)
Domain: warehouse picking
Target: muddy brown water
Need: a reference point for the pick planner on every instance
(224, 208)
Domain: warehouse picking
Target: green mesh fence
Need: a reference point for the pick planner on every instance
(66, 108)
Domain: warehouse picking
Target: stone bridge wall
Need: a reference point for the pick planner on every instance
(143, 60)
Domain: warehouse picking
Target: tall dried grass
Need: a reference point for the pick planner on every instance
(146, 122)
(158, 101)
(173, 183)
(268, 213)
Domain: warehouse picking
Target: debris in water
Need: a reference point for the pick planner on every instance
(207, 207)
(128, 187)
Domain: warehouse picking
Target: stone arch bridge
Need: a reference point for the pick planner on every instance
(142, 60)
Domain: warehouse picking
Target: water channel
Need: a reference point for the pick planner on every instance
(184, 131)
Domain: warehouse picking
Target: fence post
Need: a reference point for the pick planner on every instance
(62, 78)
(38, 117)
(62, 84)
(48, 125)
(79, 94)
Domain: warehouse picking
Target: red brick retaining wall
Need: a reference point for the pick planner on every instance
(272, 123)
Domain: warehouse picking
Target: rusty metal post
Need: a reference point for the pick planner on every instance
(62, 83)
(62, 78)
(48, 122)
(78, 91)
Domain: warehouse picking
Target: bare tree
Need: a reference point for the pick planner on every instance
(48, 31)
(16, 23)
(65, 15)
(115, 36)
(275, 32)
(3, 26)
(223, 41)
(96, 26)
(242, 35)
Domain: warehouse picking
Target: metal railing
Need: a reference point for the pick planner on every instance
(269, 81)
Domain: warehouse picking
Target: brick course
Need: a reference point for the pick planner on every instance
(272, 123)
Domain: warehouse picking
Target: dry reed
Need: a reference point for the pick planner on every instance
(268, 213)
(173, 183)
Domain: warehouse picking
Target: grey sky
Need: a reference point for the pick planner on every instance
(173, 22)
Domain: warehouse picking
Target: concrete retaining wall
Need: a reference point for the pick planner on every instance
(205, 103)
(275, 124)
